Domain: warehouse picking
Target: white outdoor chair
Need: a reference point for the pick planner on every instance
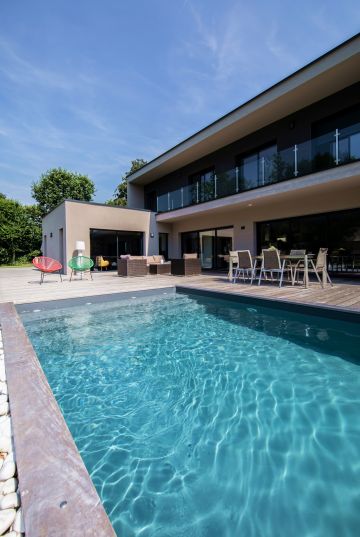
(233, 263)
(294, 265)
(320, 267)
(271, 264)
(245, 266)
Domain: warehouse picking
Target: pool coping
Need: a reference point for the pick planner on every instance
(47, 305)
(318, 310)
(50, 468)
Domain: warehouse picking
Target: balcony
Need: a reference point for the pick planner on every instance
(270, 166)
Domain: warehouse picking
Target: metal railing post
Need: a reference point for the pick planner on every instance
(337, 134)
(182, 197)
(296, 171)
(215, 186)
(168, 201)
(157, 204)
(263, 170)
(197, 191)
(237, 179)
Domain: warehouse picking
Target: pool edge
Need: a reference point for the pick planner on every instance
(51, 470)
(317, 310)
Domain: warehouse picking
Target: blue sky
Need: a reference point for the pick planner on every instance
(90, 85)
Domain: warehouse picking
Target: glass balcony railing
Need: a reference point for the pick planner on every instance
(327, 151)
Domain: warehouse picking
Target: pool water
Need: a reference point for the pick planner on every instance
(201, 418)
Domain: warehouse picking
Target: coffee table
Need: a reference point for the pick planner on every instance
(160, 268)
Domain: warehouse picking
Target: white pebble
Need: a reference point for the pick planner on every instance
(12, 534)
(3, 398)
(5, 427)
(4, 409)
(3, 388)
(19, 522)
(6, 519)
(7, 471)
(5, 444)
(2, 372)
(9, 486)
(10, 501)
(10, 457)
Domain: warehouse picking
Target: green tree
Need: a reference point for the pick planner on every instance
(58, 184)
(20, 230)
(120, 195)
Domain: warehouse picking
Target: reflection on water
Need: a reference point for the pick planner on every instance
(200, 418)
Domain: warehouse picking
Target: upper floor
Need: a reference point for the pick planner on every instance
(307, 123)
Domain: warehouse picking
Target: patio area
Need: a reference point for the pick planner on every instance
(21, 286)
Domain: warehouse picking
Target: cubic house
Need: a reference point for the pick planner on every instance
(283, 169)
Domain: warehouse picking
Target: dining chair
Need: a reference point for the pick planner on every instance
(319, 268)
(245, 266)
(272, 264)
(296, 264)
(233, 263)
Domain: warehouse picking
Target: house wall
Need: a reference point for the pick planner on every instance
(54, 234)
(76, 219)
(244, 219)
(292, 129)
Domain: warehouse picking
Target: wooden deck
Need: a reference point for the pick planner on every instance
(21, 285)
(344, 295)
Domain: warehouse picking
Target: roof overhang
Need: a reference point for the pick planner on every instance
(330, 73)
(333, 181)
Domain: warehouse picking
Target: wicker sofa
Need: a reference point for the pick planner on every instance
(137, 265)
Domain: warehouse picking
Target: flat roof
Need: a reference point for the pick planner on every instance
(327, 74)
(69, 200)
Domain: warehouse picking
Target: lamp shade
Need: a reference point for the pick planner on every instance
(79, 245)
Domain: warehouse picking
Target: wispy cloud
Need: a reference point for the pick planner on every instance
(106, 94)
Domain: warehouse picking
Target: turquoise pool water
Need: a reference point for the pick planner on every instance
(201, 418)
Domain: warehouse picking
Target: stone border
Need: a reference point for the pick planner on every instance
(57, 495)
(317, 310)
(45, 305)
(11, 519)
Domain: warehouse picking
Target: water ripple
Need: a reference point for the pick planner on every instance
(198, 418)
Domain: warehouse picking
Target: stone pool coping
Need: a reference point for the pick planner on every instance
(48, 305)
(57, 495)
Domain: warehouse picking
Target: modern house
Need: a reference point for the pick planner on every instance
(282, 169)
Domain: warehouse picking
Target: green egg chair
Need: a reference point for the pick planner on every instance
(81, 264)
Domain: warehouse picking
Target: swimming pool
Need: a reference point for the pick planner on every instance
(200, 417)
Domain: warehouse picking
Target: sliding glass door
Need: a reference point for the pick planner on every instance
(212, 246)
(110, 244)
(207, 248)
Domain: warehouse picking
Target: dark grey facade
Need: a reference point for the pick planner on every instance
(341, 108)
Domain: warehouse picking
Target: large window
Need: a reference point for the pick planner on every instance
(211, 245)
(111, 244)
(258, 168)
(203, 185)
(336, 139)
(338, 231)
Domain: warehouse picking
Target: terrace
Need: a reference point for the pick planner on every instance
(21, 286)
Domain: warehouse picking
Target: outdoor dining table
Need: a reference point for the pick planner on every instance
(290, 258)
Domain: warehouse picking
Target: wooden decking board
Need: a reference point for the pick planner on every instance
(22, 286)
(342, 295)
